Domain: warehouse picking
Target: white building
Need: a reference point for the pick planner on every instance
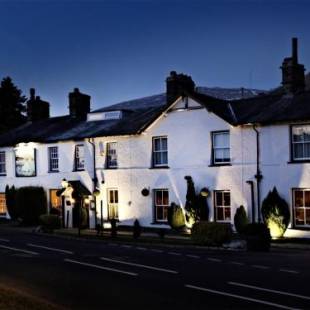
(238, 149)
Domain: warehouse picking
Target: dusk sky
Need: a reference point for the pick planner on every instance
(121, 49)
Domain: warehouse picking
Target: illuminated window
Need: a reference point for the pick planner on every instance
(79, 157)
(301, 142)
(53, 158)
(55, 201)
(161, 204)
(112, 155)
(222, 206)
(112, 204)
(3, 209)
(220, 147)
(160, 151)
(301, 205)
(2, 163)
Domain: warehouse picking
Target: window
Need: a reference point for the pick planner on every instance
(3, 209)
(2, 163)
(53, 159)
(55, 201)
(112, 204)
(222, 206)
(161, 204)
(160, 151)
(301, 142)
(79, 157)
(220, 147)
(301, 205)
(111, 155)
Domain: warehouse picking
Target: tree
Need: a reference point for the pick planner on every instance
(12, 106)
(191, 201)
(240, 220)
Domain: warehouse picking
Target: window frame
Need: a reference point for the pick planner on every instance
(222, 206)
(161, 165)
(156, 220)
(76, 158)
(108, 161)
(294, 225)
(3, 163)
(114, 205)
(50, 166)
(292, 156)
(213, 161)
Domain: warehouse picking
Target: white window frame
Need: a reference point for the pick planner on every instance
(163, 206)
(161, 151)
(216, 148)
(304, 208)
(111, 160)
(53, 159)
(1, 206)
(2, 163)
(113, 205)
(294, 143)
(79, 160)
(222, 207)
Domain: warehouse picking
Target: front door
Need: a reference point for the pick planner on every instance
(112, 204)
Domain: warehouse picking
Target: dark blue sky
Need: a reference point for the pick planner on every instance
(115, 50)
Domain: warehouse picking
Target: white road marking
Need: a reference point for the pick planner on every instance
(19, 250)
(192, 256)
(214, 260)
(138, 265)
(237, 263)
(289, 271)
(141, 249)
(239, 297)
(50, 249)
(269, 290)
(157, 251)
(174, 253)
(260, 267)
(4, 240)
(126, 246)
(101, 267)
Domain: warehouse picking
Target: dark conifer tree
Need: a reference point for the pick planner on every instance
(12, 106)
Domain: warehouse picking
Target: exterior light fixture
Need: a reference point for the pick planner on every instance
(64, 183)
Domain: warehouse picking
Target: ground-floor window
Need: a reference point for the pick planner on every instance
(301, 206)
(55, 201)
(161, 204)
(222, 206)
(112, 204)
(3, 209)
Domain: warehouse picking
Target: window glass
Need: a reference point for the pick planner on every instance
(3, 209)
(220, 147)
(161, 201)
(222, 206)
(160, 151)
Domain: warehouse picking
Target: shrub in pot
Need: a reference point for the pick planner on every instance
(257, 237)
(240, 219)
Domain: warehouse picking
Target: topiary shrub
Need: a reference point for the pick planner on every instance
(211, 234)
(83, 218)
(176, 218)
(113, 228)
(191, 202)
(275, 213)
(240, 219)
(202, 205)
(50, 222)
(10, 197)
(137, 229)
(257, 237)
(31, 203)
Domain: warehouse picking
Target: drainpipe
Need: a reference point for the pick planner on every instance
(258, 176)
(94, 179)
(251, 183)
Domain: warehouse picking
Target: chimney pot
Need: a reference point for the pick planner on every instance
(32, 93)
(295, 50)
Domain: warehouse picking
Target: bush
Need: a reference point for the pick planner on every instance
(49, 222)
(136, 229)
(276, 213)
(31, 203)
(257, 237)
(240, 219)
(206, 233)
(83, 218)
(113, 228)
(176, 218)
(10, 197)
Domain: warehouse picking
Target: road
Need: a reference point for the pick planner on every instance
(90, 274)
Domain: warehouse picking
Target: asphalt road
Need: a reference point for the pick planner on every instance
(86, 274)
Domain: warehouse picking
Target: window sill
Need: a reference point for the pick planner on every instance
(300, 228)
(78, 170)
(220, 165)
(2, 175)
(160, 167)
(111, 168)
(53, 171)
(299, 162)
(159, 223)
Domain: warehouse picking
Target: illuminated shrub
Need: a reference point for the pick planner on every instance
(50, 222)
(176, 218)
(257, 237)
(207, 233)
(240, 219)
(276, 213)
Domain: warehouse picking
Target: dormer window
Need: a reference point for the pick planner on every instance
(102, 116)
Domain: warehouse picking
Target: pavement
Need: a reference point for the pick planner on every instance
(103, 274)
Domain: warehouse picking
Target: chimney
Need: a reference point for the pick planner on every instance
(79, 104)
(293, 73)
(177, 85)
(37, 109)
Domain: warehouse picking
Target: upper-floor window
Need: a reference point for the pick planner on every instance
(111, 155)
(301, 142)
(160, 151)
(79, 157)
(220, 147)
(53, 159)
(2, 163)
